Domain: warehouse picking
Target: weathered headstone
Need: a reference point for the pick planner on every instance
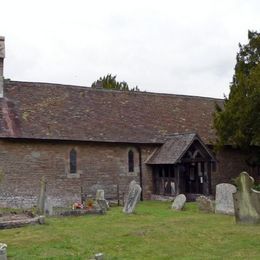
(48, 207)
(205, 204)
(246, 200)
(179, 202)
(41, 220)
(100, 198)
(103, 205)
(3, 254)
(224, 198)
(100, 195)
(99, 256)
(132, 197)
(42, 197)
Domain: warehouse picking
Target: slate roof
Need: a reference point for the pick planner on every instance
(64, 112)
(174, 148)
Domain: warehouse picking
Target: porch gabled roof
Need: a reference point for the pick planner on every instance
(172, 151)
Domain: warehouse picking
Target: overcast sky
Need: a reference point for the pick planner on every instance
(182, 47)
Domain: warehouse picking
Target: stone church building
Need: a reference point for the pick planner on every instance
(83, 139)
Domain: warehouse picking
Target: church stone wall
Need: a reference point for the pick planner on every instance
(99, 166)
(230, 162)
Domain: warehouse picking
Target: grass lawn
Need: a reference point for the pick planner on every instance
(153, 232)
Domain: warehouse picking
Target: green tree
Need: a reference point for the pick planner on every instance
(110, 82)
(238, 122)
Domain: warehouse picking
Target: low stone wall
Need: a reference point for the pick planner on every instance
(22, 222)
(23, 202)
(162, 197)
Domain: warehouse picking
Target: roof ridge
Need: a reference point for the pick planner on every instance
(113, 91)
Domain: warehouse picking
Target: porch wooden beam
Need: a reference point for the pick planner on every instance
(177, 179)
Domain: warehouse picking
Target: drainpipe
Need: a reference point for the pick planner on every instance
(2, 56)
(141, 172)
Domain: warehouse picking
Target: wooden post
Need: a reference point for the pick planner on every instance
(81, 194)
(118, 195)
(209, 177)
(177, 179)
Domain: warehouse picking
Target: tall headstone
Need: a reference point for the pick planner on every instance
(42, 197)
(246, 200)
(224, 198)
(179, 202)
(132, 198)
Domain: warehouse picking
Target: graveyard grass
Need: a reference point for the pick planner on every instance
(153, 232)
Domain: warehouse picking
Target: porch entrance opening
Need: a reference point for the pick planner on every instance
(182, 165)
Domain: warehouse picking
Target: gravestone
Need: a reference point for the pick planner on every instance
(103, 205)
(246, 200)
(3, 254)
(205, 204)
(224, 198)
(42, 197)
(99, 256)
(48, 207)
(132, 198)
(179, 202)
(100, 198)
(100, 195)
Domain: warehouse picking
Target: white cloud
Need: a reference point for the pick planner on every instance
(184, 47)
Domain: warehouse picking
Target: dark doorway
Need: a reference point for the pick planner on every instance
(194, 178)
(164, 180)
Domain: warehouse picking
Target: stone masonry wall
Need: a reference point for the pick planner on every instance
(230, 163)
(99, 166)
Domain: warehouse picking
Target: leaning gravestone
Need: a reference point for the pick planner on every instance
(42, 197)
(205, 204)
(103, 205)
(100, 198)
(133, 197)
(224, 198)
(246, 200)
(179, 202)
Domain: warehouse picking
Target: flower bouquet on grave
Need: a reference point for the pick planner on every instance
(77, 205)
(89, 203)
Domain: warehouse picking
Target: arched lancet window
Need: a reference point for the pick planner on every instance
(130, 161)
(73, 161)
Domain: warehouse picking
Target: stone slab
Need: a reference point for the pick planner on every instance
(103, 205)
(205, 204)
(100, 195)
(179, 202)
(224, 198)
(246, 200)
(132, 198)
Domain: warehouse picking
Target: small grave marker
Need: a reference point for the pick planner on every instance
(179, 202)
(205, 204)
